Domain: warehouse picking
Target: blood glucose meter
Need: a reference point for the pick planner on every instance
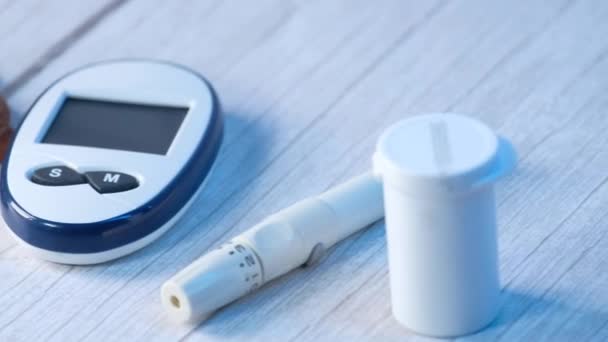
(108, 158)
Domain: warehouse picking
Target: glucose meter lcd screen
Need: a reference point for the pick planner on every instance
(114, 125)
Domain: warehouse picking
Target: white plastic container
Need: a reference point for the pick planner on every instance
(438, 172)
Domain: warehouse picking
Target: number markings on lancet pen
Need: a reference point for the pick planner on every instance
(248, 263)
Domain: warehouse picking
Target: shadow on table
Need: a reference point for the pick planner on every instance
(525, 317)
(536, 314)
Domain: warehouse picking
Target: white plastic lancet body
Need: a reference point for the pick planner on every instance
(284, 241)
(438, 172)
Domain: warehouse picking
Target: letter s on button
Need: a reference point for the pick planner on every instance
(57, 175)
(55, 172)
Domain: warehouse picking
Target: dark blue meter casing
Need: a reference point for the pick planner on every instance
(108, 158)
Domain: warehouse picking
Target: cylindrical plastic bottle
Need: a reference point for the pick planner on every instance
(438, 172)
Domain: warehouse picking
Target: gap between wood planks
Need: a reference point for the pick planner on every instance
(56, 50)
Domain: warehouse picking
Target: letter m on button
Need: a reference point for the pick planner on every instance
(111, 178)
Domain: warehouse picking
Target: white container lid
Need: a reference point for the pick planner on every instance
(441, 154)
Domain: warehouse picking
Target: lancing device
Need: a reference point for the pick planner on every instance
(291, 238)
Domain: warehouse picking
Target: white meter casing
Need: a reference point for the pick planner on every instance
(108, 158)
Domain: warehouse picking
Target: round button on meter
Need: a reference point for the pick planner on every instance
(108, 158)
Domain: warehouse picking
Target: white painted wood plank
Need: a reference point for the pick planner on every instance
(33, 31)
(304, 114)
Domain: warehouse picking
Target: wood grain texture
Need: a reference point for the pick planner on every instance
(307, 87)
(33, 32)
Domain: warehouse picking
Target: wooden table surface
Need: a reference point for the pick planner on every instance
(307, 88)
